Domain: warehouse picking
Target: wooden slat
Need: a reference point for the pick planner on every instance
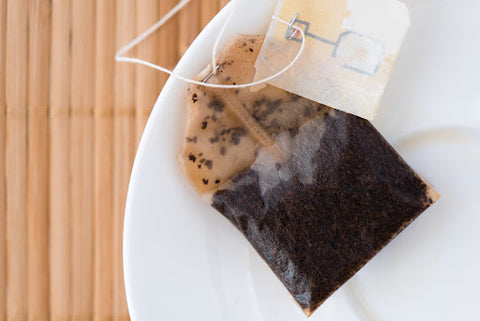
(103, 153)
(123, 149)
(3, 205)
(147, 80)
(222, 3)
(16, 158)
(189, 25)
(168, 53)
(59, 139)
(39, 58)
(69, 122)
(208, 10)
(81, 153)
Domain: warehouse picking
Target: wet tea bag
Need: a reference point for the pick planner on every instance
(316, 191)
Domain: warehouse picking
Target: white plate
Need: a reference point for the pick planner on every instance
(184, 261)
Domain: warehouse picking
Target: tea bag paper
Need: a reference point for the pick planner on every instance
(350, 49)
(316, 191)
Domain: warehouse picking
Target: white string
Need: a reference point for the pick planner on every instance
(150, 30)
(119, 55)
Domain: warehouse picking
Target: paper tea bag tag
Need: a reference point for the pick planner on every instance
(350, 49)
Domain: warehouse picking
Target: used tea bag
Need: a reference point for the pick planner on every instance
(316, 191)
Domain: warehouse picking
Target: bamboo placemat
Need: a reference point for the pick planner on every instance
(70, 121)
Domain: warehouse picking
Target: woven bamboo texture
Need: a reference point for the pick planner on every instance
(70, 121)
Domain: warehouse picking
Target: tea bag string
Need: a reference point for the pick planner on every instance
(120, 55)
